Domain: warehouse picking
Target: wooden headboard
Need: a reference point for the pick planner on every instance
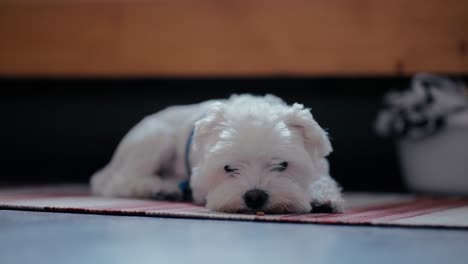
(232, 37)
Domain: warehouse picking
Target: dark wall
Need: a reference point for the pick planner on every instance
(64, 130)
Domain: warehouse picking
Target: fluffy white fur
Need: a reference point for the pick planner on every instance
(249, 133)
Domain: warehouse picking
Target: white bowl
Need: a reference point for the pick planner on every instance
(437, 164)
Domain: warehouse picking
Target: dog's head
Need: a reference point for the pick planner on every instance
(257, 154)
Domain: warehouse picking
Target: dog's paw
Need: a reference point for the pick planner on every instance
(168, 196)
(326, 208)
(326, 196)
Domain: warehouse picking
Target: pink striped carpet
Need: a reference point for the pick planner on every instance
(362, 208)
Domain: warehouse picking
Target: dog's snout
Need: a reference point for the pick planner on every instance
(255, 199)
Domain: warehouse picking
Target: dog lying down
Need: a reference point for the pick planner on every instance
(245, 154)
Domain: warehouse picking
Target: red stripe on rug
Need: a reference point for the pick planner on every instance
(147, 206)
(174, 208)
(372, 212)
(18, 197)
(418, 205)
(424, 211)
(138, 205)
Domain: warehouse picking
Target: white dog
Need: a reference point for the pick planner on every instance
(242, 155)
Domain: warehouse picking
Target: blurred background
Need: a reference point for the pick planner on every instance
(76, 75)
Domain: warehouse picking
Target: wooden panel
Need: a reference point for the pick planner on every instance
(209, 37)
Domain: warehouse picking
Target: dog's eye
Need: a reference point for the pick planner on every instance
(230, 169)
(281, 167)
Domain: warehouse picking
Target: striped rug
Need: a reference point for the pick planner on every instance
(362, 208)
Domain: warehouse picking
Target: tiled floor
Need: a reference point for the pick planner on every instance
(35, 237)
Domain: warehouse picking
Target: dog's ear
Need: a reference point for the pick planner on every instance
(205, 127)
(315, 138)
(273, 99)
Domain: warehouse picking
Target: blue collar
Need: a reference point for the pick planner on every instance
(184, 186)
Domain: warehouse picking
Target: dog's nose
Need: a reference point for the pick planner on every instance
(255, 199)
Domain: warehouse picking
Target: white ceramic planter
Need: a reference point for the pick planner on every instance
(437, 164)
